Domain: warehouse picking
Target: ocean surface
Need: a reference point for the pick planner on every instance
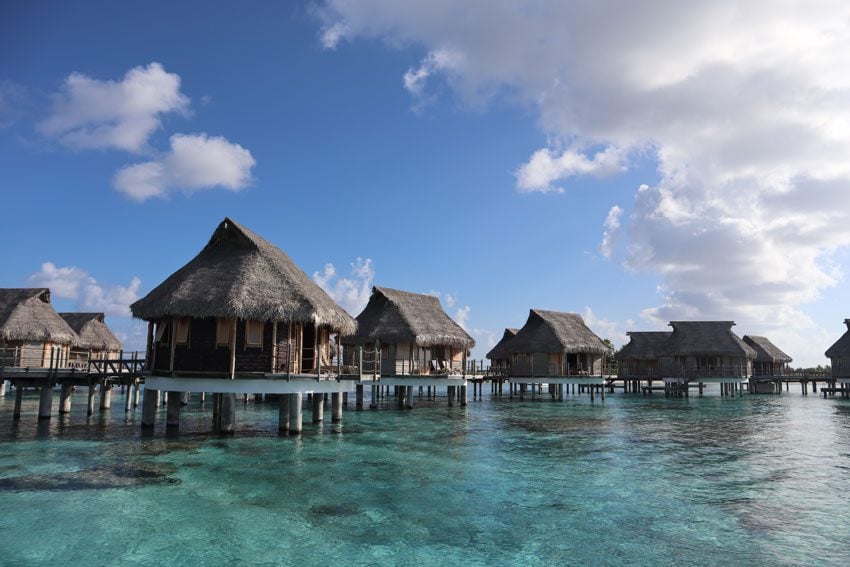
(630, 480)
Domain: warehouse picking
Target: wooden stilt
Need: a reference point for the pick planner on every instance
(65, 398)
(409, 397)
(105, 396)
(228, 413)
(463, 396)
(318, 408)
(45, 402)
(358, 396)
(90, 408)
(19, 397)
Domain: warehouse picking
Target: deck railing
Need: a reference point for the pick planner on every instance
(527, 369)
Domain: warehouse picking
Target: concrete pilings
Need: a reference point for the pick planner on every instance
(336, 407)
(45, 403)
(172, 418)
(463, 397)
(409, 397)
(227, 413)
(318, 408)
(65, 398)
(284, 412)
(4, 385)
(295, 414)
(151, 401)
(105, 396)
(19, 398)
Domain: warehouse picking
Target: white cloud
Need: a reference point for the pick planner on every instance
(462, 316)
(195, 162)
(71, 282)
(352, 292)
(611, 232)
(89, 113)
(544, 168)
(615, 331)
(745, 107)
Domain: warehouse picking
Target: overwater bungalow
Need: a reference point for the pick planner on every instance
(769, 360)
(241, 317)
(413, 334)
(706, 351)
(839, 356)
(32, 334)
(94, 340)
(639, 359)
(500, 355)
(555, 344)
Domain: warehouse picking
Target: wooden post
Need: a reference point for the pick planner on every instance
(172, 416)
(336, 407)
(65, 398)
(289, 353)
(149, 408)
(373, 402)
(409, 396)
(173, 344)
(358, 394)
(450, 392)
(463, 396)
(128, 399)
(45, 403)
(283, 414)
(274, 348)
(4, 384)
(295, 415)
(19, 397)
(233, 356)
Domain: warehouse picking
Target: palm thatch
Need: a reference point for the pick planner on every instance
(841, 348)
(394, 316)
(26, 315)
(502, 348)
(92, 332)
(706, 338)
(644, 345)
(766, 351)
(553, 331)
(240, 275)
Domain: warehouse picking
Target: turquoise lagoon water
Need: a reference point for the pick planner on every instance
(624, 481)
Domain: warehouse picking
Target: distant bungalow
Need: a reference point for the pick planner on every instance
(32, 334)
(500, 355)
(415, 336)
(94, 339)
(640, 357)
(769, 360)
(555, 344)
(839, 356)
(706, 349)
(240, 309)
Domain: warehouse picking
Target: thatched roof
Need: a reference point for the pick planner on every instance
(706, 338)
(26, 315)
(766, 351)
(842, 346)
(501, 350)
(92, 332)
(394, 316)
(552, 331)
(644, 345)
(238, 274)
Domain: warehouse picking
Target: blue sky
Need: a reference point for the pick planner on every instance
(397, 137)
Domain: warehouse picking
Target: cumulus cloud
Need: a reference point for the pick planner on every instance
(352, 292)
(89, 113)
(743, 106)
(462, 316)
(194, 162)
(71, 282)
(611, 232)
(545, 167)
(615, 331)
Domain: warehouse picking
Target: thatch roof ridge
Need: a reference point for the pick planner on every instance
(644, 345)
(27, 315)
(92, 331)
(240, 274)
(711, 338)
(842, 345)
(556, 331)
(501, 350)
(766, 351)
(395, 316)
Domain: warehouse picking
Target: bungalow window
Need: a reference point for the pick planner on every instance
(182, 330)
(222, 331)
(161, 328)
(254, 333)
